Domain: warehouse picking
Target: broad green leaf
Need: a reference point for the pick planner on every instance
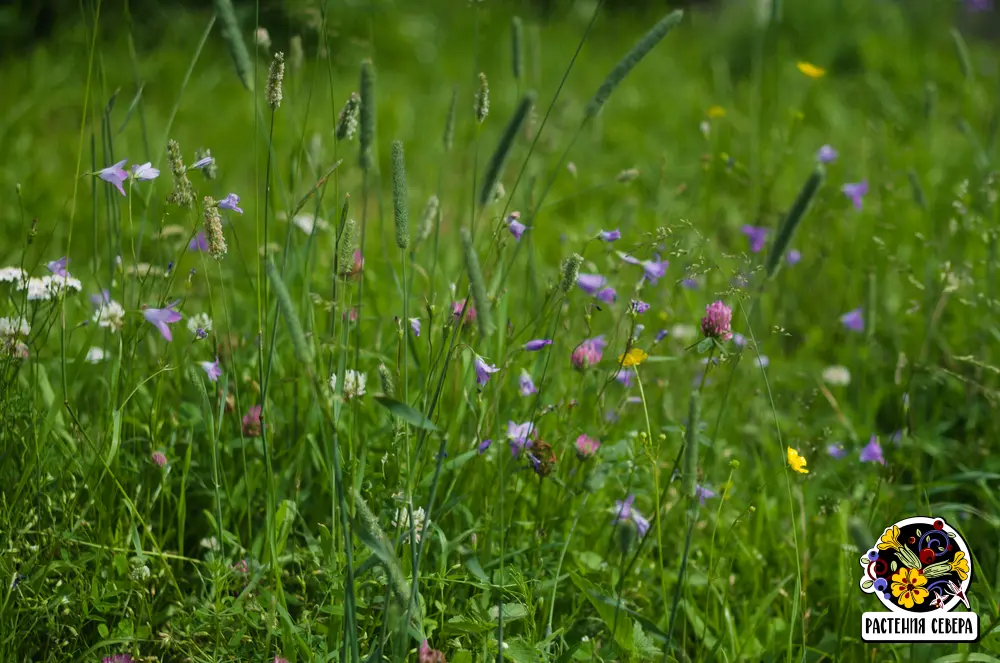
(406, 413)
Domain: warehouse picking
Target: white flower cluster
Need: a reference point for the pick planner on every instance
(48, 287)
(11, 328)
(354, 383)
(402, 521)
(199, 321)
(12, 275)
(110, 315)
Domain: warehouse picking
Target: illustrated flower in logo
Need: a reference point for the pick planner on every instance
(908, 587)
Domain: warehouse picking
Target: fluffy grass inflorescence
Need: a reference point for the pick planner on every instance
(651, 372)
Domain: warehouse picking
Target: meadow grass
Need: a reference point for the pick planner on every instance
(308, 424)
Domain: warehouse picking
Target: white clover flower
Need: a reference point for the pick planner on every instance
(12, 275)
(836, 375)
(354, 383)
(306, 223)
(402, 521)
(110, 315)
(210, 543)
(199, 321)
(11, 328)
(95, 355)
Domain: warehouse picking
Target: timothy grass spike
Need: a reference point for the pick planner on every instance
(367, 115)
(426, 226)
(495, 166)
(570, 272)
(400, 206)
(233, 37)
(303, 351)
(275, 81)
(792, 221)
(631, 59)
(483, 313)
(346, 246)
(482, 99)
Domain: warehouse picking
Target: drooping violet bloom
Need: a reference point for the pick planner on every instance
(115, 175)
(231, 203)
(516, 229)
(519, 436)
(251, 422)
(201, 163)
(470, 311)
(690, 284)
(198, 243)
(662, 334)
(483, 371)
(588, 353)
(483, 446)
(590, 283)
(625, 511)
(854, 320)
(536, 345)
(856, 192)
(836, 450)
(526, 386)
(145, 172)
(415, 326)
(161, 317)
(826, 154)
(717, 321)
(639, 306)
(703, 493)
(58, 267)
(872, 453)
(586, 447)
(212, 369)
(757, 237)
(159, 458)
(653, 270)
(607, 295)
(793, 257)
(610, 235)
(624, 376)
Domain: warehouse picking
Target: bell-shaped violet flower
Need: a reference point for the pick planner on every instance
(58, 267)
(115, 175)
(198, 243)
(483, 446)
(836, 450)
(145, 172)
(231, 203)
(607, 295)
(856, 192)
(212, 369)
(872, 453)
(625, 511)
(590, 283)
(757, 237)
(483, 371)
(526, 386)
(536, 345)
(639, 306)
(826, 154)
(519, 436)
(703, 493)
(515, 226)
(162, 317)
(415, 326)
(653, 270)
(610, 235)
(854, 320)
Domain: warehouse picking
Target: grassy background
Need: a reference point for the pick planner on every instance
(772, 573)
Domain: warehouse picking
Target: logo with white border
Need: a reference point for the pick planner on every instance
(920, 570)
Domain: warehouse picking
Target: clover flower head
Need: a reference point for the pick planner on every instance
(588, 353)
(717, 322)
(586, 447)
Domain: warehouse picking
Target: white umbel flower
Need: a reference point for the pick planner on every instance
(12, 275)
(402, 521)
(307, 222)
(11, 328)
(110, 315)
(837, 376)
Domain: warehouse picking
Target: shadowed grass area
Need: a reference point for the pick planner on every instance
(335, 442)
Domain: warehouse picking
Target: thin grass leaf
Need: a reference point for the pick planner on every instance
(234, 40)
(303, 351)
(495, 166)
(449, 125)
(918, 191)
(517, 47)
(792, 221)
(484, 313)
(962, 50)
(131, 108)
(691, 446)
(366, 134)
(406, 413)
(631, 59)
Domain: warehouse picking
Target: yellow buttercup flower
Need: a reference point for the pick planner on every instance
(811, 70)
(633, 357)
(890, 539)
(960, 565)
(908, 587)
(716, 112)
(796, 461)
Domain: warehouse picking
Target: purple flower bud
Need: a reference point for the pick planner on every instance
(536, 345)
(610, 235)
(826, 154)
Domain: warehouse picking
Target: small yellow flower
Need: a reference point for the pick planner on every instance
(908, 587)
(960, 565)
(796, 461)
(811, 70)
(890, 539)
(633, 357)
(716, 112)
